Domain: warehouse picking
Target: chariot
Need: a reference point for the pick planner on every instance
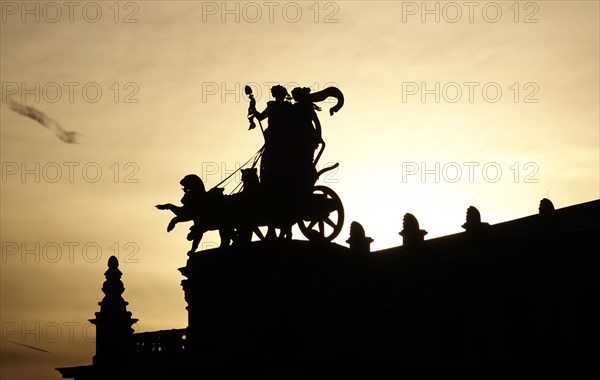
(264, 211)
(270, 205)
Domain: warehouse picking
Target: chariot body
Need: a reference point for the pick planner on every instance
(273, 210)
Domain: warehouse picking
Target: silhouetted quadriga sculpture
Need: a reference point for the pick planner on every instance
(281, 192)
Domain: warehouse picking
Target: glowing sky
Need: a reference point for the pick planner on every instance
(447, 105)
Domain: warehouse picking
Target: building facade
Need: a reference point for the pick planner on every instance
(513, 294)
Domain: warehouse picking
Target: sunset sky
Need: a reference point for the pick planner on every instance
(489, 104)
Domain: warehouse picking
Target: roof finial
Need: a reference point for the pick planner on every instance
(113, 321)
(411, 233)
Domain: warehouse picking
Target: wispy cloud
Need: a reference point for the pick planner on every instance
(28, 346)
(68, 137)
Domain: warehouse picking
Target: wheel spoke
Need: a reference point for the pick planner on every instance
(322, 227)
(259, 233)
(311, 224)
(330, 222)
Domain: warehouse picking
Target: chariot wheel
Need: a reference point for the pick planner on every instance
(326, 214)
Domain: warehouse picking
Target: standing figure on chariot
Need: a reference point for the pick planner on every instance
(278, 111)
(292, 136)
(306, 132)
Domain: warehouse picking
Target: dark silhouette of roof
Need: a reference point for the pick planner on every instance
(516, 294)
